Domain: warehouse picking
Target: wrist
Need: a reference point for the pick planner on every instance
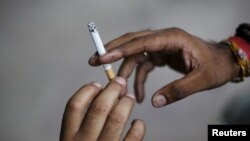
(241, 49)
(240, 46)
(232, 61)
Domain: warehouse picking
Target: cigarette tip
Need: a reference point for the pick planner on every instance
(91, 26)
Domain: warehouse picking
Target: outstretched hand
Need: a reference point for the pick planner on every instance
(205, 65)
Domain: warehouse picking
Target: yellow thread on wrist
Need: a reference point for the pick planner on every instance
(242, 62)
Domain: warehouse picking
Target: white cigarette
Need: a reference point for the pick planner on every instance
(100, 48)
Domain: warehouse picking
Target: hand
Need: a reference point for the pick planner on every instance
(105, 118)
(204, 64)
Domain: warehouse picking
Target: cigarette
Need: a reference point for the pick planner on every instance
(100, 48)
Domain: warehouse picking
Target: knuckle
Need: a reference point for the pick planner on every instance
(100, 108)
(176, 30)
(117, 118)
(143, 41)
(134, 135)
(74, 105)
(178, 91)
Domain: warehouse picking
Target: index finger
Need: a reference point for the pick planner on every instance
(159, 41)
(118, 42)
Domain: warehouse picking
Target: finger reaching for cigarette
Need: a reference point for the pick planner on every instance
(100, 48)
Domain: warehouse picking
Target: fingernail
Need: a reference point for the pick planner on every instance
(97, 84)
(159, 101)
(120, 80)
(130, 95)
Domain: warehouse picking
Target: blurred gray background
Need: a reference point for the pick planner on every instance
(44, 51)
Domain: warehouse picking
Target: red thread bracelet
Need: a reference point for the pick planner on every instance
(241, 50)
(241, 43)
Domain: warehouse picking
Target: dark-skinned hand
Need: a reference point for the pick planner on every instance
(204, 65)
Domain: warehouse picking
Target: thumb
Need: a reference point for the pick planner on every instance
(193, 82)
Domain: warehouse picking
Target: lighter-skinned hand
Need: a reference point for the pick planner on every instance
(95, 113)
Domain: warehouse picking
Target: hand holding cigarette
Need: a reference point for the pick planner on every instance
(204, 65)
